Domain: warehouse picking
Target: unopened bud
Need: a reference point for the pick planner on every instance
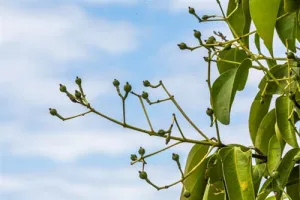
(116, 83)
(127, 87)
(175, 157)
(53, 112)
(143, 175)
(182, 46)
(142, 151)
(145, 95)
(133, 157)
(78, 80)
(62, 88)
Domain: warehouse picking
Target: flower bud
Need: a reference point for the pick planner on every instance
(77, 94)
(197, 34)
(175, 157)
(142, 151)
(145, 95)
(291, 55)
(209, 112)
(116, 83)
(127, 87)
(53, 112)
(186, 194)
(72, 99)
(161, 132)
(143, 175)
(78, 80)
(227, 47)
(182, 46)
(146, 83)
(192, 11)
(133, 157)
(205, 17)
(62, 88)
(211, 40)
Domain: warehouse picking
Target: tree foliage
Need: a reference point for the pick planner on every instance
(215, 170)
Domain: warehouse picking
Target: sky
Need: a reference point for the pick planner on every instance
(47, 42)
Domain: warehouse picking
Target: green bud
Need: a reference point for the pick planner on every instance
(192, 11)
(78, 80)
(142, 151)
(205, 17)
(182, 46)
(211, 40)
(127, 87)
(77, 94)
(133, 157)
(175, 157)
(116, 83)
(145, 95)
(186, 194)
(209, 112)
(72, 99)
(291, 55)
(205, 59)
(143, 175)
(53, 112)
(146, 83)
(227, 47)
(274, 174)
(197, 34)
(161, 132)
(62, 88)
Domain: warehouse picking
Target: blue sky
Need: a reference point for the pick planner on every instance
(44, 43)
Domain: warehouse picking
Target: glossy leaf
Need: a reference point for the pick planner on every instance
(279, 137)
(214, 168)
(196, 182)
(257, 42)
(264, 15)
(293, 186)
(258, 172)
(233, 54)
(284, 108)
(225, 88)
(274, 154)
(257, 112)
(265, 131)
(285, 167)
(215, 191)
(240, 19)
(291, 5)
(237, 174)
(286, 28)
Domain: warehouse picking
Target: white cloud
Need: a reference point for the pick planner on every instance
(91, 183)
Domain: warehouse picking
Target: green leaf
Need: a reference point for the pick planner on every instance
(265, 131)
(225, 88)
(298, 28)
(293, 185)
(286, 28)
(291, 5)
(278, 71)
(237, 174)
(233, 54)
(274, 154)
(257, 112)
(215, 191)
(257, 42)
(214, 168)
(284, 108)
(285, 167)
(279, 137)
(240, 19)
(271, 63)
(196, 182)
(264, 15)
(265, 190)
(257, 173)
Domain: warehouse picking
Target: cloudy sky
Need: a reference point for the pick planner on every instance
(47, 42)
